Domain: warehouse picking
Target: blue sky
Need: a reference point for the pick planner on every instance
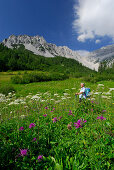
(62, 22)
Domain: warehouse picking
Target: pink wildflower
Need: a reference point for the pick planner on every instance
(34, 139)
(101, 117)
(60, 118)
(31, 125)
(21, 128)
(103, 110)
(40, 157)
(79, 123)
(70, 112)
(54, 119)
(45, 115)
(23, 152)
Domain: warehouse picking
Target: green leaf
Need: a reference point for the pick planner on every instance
(58, 167)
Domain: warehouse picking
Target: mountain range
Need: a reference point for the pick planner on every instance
(39, 46)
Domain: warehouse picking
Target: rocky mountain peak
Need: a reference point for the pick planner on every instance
(39, 46)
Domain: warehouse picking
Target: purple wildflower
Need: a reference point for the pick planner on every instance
(40, 157)
(45, 115)
(31, 125)
(46, 107)
(79, 123)
(21, 128)
(34, 139)
(60, 117)
(23, 152)
(101, 117)
(70, 112)
(54, 119)
(91, 110)
(103, 110)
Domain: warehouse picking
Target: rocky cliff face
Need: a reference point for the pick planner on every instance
(103, 53)
(39, 46)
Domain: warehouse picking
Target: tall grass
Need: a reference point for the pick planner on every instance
(53, 142)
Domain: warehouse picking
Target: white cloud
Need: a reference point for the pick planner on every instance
(94, 17)
(97, 41)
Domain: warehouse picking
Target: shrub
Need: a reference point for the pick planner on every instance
(6, 89)
(38, 77)
(99, 77)
(16, 79)
(19, 73)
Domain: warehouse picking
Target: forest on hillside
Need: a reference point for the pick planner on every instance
(19, 58)
(22, 59)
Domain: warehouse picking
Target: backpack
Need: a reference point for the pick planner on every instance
(87, 92)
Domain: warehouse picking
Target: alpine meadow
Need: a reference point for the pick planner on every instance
(56, 84)
(43, 125)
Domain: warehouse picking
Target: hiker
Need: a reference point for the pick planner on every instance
(82, 94)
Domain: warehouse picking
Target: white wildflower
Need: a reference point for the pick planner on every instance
(100, 84)
(35, 97)
(65, 94)
(8, 99)
(63, 98)
(23, 102)
(98, 93)
(58, 101)
(92, 98)
(111, 89)
(107, 93)
(15, 103)
(25, 106)
(68, 97)
(55, 94)
(29, 96)
(9, 93)
(104, 97)
(42, 100)
(22, 116)
(51, 99)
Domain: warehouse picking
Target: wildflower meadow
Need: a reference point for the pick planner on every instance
(43, 126)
